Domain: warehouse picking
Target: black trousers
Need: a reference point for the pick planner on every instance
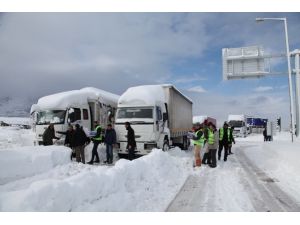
(221, 145)
(213, 156)
(95, 152)
(131, 155)
(206, 158)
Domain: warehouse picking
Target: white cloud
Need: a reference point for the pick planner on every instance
(197, 89)
(263, 89)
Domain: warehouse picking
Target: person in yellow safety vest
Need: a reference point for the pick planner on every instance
(96, 140)
(198, 141)
(206, 156)
(224, 138)
(213, 142)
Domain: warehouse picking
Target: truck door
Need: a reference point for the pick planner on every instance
(159, 120)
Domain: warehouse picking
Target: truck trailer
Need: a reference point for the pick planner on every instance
(160, 115)
(84, 106)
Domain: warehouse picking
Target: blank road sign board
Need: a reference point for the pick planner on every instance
(244, 62)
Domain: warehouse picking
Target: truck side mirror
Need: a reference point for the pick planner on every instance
(165, 116)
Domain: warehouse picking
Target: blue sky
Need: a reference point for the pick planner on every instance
(43, 53)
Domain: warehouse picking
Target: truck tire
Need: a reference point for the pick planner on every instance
(166, 146)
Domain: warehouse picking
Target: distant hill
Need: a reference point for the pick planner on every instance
(15, 106)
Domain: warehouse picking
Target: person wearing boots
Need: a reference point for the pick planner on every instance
(206, 157)
(213, 141)
(224, 134)
(131, 143)
(109, 141)
(96, 140)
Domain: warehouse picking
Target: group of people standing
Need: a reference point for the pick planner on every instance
(77, 140)
(211, 141)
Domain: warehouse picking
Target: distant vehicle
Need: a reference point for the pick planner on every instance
(84, 106)
(202, 119)
(239, 122)
(159, 114)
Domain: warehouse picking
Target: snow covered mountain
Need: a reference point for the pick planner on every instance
(15, 106)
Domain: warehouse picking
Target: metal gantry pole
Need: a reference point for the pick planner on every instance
(290, 79)
(297, 53)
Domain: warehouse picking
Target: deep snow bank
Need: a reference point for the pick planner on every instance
(28, 161)
(145, 184)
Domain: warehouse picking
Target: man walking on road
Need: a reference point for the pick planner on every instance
(224, 135)
(131, 144)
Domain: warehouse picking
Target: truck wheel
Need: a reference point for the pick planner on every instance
(166, 146)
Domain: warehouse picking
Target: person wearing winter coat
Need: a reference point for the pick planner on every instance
(96, 140)
(231, 139)
(80, 141)
(49, 135)
(109, 141)
(69, 140)
(131, 143)
(224, 140)
(213, 141)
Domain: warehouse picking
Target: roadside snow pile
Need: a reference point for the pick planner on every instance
(145, 184)
(15, 137)
(28, 161)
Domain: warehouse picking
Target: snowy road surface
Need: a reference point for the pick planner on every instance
(235, 185)
(260, 176)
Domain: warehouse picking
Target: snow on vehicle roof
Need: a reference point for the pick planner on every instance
(73, 98)
(199, 119)
(236, 117)
(146, 95)
(143, 95)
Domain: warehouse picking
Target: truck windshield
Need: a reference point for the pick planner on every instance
(51, 116)
(128, 113)
(236, 123)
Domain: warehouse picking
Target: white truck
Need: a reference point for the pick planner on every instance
(84, 106)
(159, 114)
(239, 122)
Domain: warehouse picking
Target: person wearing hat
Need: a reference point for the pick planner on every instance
(224, 135)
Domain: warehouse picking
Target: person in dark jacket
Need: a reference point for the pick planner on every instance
(109, 140)
(96, 140)
(231, 139)
(131, 144)
(49, 135)
(69, 140)
(224, 137)
(80, 140)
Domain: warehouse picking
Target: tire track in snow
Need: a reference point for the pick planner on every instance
(266, 195)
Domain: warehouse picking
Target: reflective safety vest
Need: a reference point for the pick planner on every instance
(100, 137)
(222, 134)
(211, 137)
(201, 140)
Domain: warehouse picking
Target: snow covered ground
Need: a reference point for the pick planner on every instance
(39, 178)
